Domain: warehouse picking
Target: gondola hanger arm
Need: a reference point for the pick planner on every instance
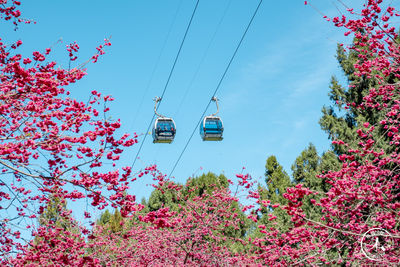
(156, 100)
(215, 99)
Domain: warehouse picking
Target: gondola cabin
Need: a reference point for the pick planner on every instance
(211, 129)
(164, 130)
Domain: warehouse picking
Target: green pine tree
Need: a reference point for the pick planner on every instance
(56, 214)
(308, 165)
(165, 196)
(111, 222)
(205, 183)
(277, 181)
(168, 196)
(340, 121)
(306, 169)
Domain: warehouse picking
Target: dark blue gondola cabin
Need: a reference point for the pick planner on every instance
(211, 129)
(164, 130)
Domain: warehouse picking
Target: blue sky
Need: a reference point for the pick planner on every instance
(270, 99)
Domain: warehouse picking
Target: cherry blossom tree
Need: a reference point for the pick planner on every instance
(55, 147)
(52, 144)
(195, 234)
(364, 193)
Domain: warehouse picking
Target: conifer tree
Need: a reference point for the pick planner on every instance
(56, 227)
(57, 215)
(205, 184)
(168, 196)
(348, 112)
(306, 170)
(197, 186)
(164, 196)
(277, 180)
(112, 222)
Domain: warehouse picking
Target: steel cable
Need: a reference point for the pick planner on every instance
(218, 86)
(169, 78)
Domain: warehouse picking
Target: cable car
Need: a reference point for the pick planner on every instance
(211, 129)
(164, 130)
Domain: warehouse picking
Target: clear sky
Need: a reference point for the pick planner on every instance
(270, 99)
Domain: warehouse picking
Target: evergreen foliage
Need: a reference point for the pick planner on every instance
(206, 183)
(308, 166)
(164, 196)
(111, 222)
(168, 196)
(277, 180)
(348, 112)
(57, 215)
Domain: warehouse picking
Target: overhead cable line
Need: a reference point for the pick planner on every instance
(198, 68)
(203, 58)
(157, 63)
(218, 86)
(169, 78)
